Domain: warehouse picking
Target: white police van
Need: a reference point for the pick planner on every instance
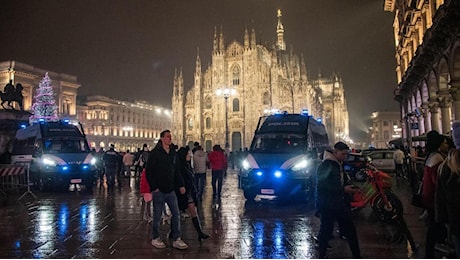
(57, 154)
(283, 157)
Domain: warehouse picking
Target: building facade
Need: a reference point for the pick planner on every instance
(65, 86)
(258, 79)
(427, 45)
(386, 126)
(127, 125)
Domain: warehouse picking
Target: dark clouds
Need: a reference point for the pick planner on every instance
(112, 45)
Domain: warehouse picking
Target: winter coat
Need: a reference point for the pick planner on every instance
(447, 206)
(430, 175)
(218, 160)
(200, 159)
(161, 170)
(331, 180)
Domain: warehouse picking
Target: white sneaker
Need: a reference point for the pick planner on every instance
(158, 243)
(179, 244)
(185, 215)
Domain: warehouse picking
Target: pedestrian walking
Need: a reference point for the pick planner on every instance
(163, 179)
(218, 163)
(333, 200)
(437, 147)
(189, 200)
(398, 157)
(111, 166)
(128, 161)
(200, 162)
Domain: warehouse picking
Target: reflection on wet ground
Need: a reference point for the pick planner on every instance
(102, 225)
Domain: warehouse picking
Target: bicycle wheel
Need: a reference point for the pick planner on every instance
(388, 214)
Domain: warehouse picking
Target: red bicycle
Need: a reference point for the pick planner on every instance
(376, 190)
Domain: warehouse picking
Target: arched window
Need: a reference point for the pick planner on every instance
(236, 105)
(208, 122)
(236, 76)
(266, 99)
(208, 103)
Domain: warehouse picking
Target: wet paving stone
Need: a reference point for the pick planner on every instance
(110, 225)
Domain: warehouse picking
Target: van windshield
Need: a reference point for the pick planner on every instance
(279, 143)
(66, 146)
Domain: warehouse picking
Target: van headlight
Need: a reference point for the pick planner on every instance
(93, 161)
(48, 162)
(301, 165)
(246, 165)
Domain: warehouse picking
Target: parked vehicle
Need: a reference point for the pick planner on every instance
(383, 160)
(283, 157)
(377, 192)
(57, 154)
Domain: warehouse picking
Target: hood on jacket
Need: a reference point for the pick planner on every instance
(328, 155)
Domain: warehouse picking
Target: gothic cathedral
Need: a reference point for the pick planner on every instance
(252, 80)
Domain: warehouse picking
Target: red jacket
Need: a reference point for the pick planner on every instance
(430, 176)
(218, 160)
(144, 186)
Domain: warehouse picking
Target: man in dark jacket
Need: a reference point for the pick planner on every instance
(111, 166)
(163, 179)
(333, 200)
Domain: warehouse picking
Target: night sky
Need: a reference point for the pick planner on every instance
(121, 48)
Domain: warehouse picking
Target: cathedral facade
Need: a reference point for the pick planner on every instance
(259, 80)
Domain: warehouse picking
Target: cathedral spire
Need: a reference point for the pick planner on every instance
(215, 47)
(221, 41)
(253, 39)
(280, 44)
(198, 69)
(246, 38)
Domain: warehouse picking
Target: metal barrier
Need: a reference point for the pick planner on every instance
(14, 177)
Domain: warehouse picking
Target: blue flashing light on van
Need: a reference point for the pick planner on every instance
(283, 157)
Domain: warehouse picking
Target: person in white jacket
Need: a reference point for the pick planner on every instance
(200, 162)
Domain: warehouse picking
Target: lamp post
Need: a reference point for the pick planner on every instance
(226, 93)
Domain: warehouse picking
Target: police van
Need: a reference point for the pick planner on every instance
(283, 157)
(57, 154)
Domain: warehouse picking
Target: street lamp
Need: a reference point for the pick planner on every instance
(226, 93)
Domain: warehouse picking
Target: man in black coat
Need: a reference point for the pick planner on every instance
(163, 179)
(333, 202)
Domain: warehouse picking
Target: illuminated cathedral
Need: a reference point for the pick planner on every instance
(248, 80)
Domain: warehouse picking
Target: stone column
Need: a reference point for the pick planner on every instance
(455, 94)
(434, 110)
(426, 119)
(445, 103)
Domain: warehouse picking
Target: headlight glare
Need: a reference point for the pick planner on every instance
(48, 162)
(300, 165)
(246, 165)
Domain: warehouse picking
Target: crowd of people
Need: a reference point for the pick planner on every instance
(172, 178)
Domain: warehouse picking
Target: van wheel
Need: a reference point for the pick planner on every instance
(249, 194)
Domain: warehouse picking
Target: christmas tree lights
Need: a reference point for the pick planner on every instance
(44, 106)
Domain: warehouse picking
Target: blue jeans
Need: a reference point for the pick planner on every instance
(200, 182)
(110, 175)
(159, 199)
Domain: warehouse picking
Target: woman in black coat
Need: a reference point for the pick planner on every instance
(189, 200)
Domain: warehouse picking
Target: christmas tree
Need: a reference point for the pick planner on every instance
(44, 106)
